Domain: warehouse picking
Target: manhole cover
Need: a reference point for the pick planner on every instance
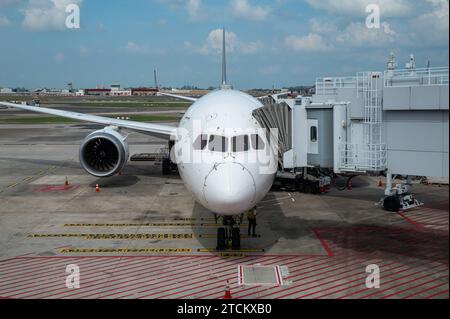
(259, 275)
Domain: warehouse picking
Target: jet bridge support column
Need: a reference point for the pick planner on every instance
(388, 189)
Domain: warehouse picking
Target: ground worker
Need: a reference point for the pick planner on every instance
(251, 216)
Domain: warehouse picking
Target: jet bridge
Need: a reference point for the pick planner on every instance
(392, 123)
(278, 116)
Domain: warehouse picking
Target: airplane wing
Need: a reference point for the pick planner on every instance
(181, 97)
(158, 130)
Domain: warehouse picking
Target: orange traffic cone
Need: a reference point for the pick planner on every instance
(227, 291)
(97, 188)
(349, 186)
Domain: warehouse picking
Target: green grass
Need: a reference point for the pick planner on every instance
(60, 120)
(127, 104)
(102, 101)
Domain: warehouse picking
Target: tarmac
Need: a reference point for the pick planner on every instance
(144, 236)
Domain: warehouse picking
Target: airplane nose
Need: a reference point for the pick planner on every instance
(229, 189)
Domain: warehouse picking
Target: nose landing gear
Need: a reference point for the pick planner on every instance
(230, 234)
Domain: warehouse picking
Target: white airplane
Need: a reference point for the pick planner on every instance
(231, 166)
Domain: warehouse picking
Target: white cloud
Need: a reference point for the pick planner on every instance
(270, 69)
(310, 42)
(438, 17)
(322, 27)
(387, 29)
(358, 35)
(193, 7)
(4, 21)
(132, 47)
(388, 8)
(431, 27)
(59, 58)
(135, 48)
(243, 9)
(84, 50)
(428, 25)
(9, 2)
(47, 14)
(213, 43)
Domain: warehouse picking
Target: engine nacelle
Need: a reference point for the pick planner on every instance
(104, 152)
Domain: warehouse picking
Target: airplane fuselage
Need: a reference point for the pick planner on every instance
(223, 155)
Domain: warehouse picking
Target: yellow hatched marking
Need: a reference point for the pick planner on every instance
(125, 250)
(116, 236)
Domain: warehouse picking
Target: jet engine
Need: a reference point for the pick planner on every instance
(104, 152)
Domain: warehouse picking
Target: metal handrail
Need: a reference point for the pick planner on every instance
(416, 77)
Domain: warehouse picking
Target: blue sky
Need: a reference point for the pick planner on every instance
(271, 43)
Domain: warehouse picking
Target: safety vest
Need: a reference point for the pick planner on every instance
(251, 214)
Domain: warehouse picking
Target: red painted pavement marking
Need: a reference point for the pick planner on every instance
(99, 266)
(389, 274)
(20, 266)
(377, 244)
(394, 262)
(43, 269)
(232, 276)
(291, 269)
(225, 269)
(96, 266)
(173, 269)
(362, 279)
(54, 271)
(56, 188)
(93, 273)
(314, 277)
(322, 242)
(197, 292)
(437, 294)
(425, 290)
(425, 216)
(402, 277)
(390, 244)
(291, 277)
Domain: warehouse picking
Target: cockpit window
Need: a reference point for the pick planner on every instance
(240, 143)
(218, 143)
(257, 142)
(201, 142)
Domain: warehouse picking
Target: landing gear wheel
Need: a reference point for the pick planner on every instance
(166, 166)
(236, 239)
(221, 239)
(392, 203)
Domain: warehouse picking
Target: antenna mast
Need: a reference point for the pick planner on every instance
(224, 59)
(224, 85)
(156, 79)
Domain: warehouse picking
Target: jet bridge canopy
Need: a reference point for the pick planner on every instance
(276, 115)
